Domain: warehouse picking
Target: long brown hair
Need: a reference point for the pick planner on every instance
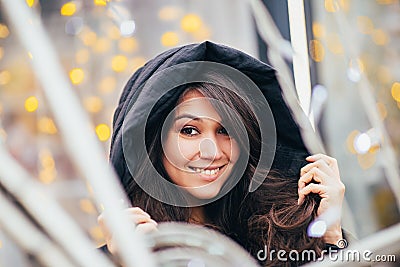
(269, 216)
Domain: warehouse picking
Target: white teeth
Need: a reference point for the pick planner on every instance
(207, 172)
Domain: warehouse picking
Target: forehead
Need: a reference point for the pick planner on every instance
(195, 103)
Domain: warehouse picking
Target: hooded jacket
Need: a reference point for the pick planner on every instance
(290, 150)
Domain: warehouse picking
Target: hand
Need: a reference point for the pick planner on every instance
(322, 177)
(143, 221)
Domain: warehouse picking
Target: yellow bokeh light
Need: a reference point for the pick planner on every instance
(137, 63)
(30, 55)
(380, 37)
(30, 3)
(100, 2)
(365, 24)
(318, 30)
(96, 233)
(386, 2)
(350, 141)
(89, 38)
(47, 162)
(344, 5)
(102, 45)
(93, 104)
(103, 132)
(384, 75)
(382, 110)
(46, 125)
(331, 6)
(119, 63)
(128, 45)
(191, 23)
(169, 39)
(82, 56)
(334, 44)
(87, 206)
(5, 77)
(169, 13)
(1, 52)
(113, 32)
(366, 160)
(4, 32)
(68, 9)
(107, 84)
(396, 91)
(203, 34)
(76, 75)
(31, 104)
(317, 50)
(47, 176)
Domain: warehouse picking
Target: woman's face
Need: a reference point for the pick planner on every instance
(198, 152)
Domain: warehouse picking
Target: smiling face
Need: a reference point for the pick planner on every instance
(199, 154)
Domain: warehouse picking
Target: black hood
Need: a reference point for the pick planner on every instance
(290, 149)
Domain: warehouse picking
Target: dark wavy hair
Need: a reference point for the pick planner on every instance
(267, 217)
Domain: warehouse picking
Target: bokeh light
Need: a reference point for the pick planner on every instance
(5, 77)
(396, 91)
(30, 3)
(103, 132)
(68, 9)
(318, 30)
(191, 23)
(119, 63)
(82, 56)
(31, 104)
(127, 28)
(365, 24)
(107, 84)
(93, 104)
(87, 206)
(331, 5)
(317, 50)
(4, 32)
(169, 39)
(362, 143)
(76, 75)
(334, 44)
(100, 2)
(169, 13)
(102, 45)
(380, 37)
(128, 45)
(46, 125)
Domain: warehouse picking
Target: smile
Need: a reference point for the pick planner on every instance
(207, 171)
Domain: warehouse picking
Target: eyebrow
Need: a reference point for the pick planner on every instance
(187, 115)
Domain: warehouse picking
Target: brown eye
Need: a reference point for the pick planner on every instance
(223, 131)
(189, 131)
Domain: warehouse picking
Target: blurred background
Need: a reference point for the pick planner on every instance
(101, 43)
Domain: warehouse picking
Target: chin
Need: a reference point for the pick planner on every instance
(204, 192)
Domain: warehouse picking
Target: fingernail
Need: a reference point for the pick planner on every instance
(298, 201)
(309, 157)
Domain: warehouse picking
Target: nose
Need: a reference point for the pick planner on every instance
(210, 149)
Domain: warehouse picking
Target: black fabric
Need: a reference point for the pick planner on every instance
(291, 152)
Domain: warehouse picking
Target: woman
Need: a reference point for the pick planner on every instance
(203, 145)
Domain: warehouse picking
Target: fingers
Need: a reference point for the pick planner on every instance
(312, 188)
(142, 220)
(332, 162)
(315, 174)
(320, 164)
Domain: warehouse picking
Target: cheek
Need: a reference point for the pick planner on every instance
(178, 150)
(235, 151)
